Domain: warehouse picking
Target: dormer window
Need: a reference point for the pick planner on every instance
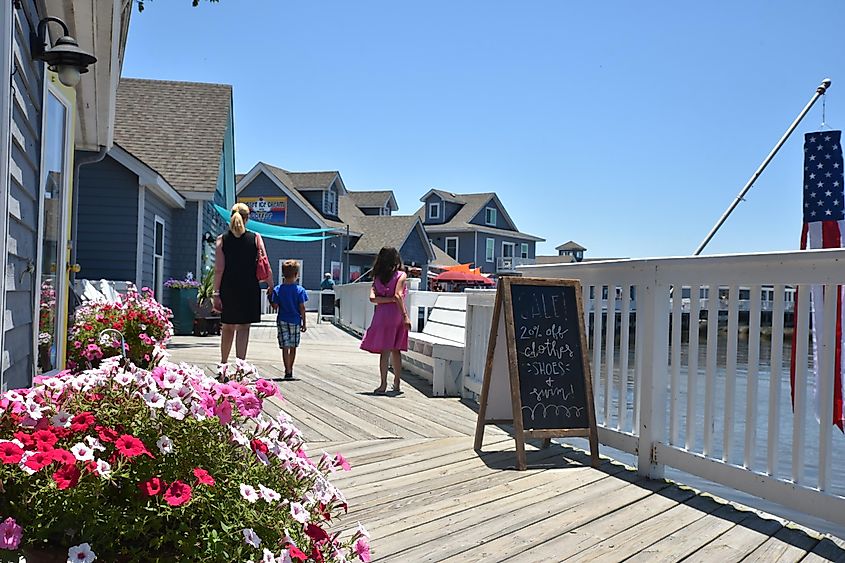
(490, 216)
(330, 202)
(434, 210)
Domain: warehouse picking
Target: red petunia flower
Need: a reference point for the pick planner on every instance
(82, 421)
(316, 533)
(106, 434)
(177, 494)
(130, 446)
(26, 439)
(45, 440)
(203, 477)
(67, 476)
(10, 453)
(296, 553)
(152, 487)
(259, 446)
(63, 456)
(39, 460)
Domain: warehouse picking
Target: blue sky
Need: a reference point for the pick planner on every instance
(628, 127)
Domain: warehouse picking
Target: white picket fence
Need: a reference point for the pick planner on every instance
(735, 426)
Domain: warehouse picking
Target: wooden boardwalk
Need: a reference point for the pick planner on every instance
(425, 494)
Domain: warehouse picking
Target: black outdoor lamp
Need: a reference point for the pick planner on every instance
(208, 238)
(65, 57)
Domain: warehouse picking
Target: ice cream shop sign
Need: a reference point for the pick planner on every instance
(272, 210)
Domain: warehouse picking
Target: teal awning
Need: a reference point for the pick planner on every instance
(277, 232)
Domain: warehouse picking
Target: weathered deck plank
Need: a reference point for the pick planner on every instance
(426, 495)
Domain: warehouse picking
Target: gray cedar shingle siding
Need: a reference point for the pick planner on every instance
(107, 235)
(176, 128)
(17, 355)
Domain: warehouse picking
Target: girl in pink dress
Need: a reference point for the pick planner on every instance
(388, 332)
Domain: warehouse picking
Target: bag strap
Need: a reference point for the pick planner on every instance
(259, 244)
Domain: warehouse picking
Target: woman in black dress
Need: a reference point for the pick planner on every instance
(237, 294)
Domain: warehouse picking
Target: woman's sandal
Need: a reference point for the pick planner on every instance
(379, 391)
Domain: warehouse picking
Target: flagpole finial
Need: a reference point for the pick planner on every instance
(823, 86)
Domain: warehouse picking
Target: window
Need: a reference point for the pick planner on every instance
(452, 247)
(507, 249)
(490, 216)
(330, 202)
(491, 249)
(158, 258)
(434, 210)
(524, 250)
(56, 142)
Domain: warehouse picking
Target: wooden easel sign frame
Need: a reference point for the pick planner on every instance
(537, 374)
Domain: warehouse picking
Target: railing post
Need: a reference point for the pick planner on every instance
(653, 313)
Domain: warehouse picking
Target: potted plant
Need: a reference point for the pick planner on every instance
(124, 464)
(183, 293)
(206, 321)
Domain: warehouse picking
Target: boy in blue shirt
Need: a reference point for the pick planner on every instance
(289, 298)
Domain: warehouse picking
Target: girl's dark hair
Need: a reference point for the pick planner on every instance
(387, 262)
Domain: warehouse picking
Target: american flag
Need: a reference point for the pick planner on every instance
(824, 227)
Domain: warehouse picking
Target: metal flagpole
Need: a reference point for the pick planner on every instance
(820, 91)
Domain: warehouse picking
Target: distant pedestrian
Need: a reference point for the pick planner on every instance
(388, 331)
(328, 282)
(290, 297)
(237, 294)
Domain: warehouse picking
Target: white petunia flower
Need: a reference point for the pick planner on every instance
(82, 452)
(268, 494)
(81, 554)
(103, 468)
(299, 513)
(268, 556)
(249, 493)
(175, 408)
(61, 419)
(154, 399)
(165, 445)
(95, 444)
(251, 537)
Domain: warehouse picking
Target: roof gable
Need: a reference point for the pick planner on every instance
(374, 199)
(176, 128)
(387, 230)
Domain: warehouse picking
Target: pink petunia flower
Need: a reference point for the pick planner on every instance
(223, 411)
(10, 534)
(66, 477)
(342, 462)
(299, 513)
(10, 453)
(152, 487)
(362, 549)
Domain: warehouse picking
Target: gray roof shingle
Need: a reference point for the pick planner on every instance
(380, 231)
(471, 205)
(311, 180)
(175, 128)
(374, 198)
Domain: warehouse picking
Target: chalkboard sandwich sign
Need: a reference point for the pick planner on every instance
(537, 374)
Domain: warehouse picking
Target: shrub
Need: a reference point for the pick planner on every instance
(165, 464)
(143, 322)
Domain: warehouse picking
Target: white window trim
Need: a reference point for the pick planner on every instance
(457, 247)
(488, 248)
(513, 249)
(5, 148)
(158, 284)
(523, 250)
(330, 202)
(487, 215)
(434, 207)
(62, 289)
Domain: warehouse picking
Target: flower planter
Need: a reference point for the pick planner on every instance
(181, 301)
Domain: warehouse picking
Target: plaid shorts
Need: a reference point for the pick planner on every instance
(288, 334)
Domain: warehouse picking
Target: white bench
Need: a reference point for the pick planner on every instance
(437, 353)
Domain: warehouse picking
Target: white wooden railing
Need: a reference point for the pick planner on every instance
(310, 305)
(355, 310)
(742, 433)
